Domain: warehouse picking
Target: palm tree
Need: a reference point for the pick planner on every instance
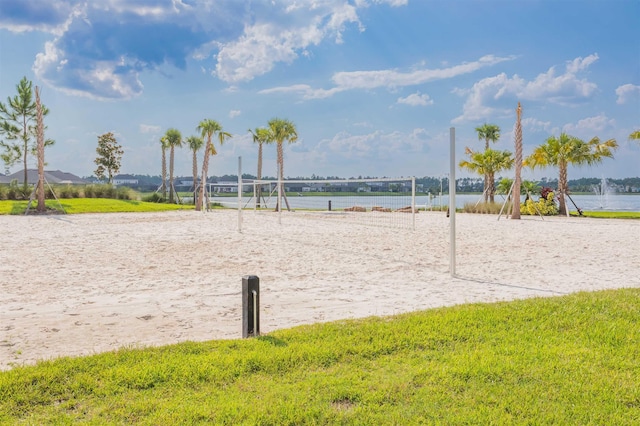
(488, 132)
(529, 187)
(564, 150)
(635, 135)
(281, 130)
(488, 163)
(174, 139)
(208, 128)
(195, 144)
(164, 143)
(261, 137)
(504, 186)
(222, 136)
(40, 152)
(515, 212)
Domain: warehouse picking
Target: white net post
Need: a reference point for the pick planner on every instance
(452, 202)
(239, 194)
(279, 202)
(413, 203)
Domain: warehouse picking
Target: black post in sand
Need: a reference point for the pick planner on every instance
(250, 306)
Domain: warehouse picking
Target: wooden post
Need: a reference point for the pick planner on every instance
(250, 306)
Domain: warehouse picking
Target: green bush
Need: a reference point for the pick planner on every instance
(15, 191)
(49, 193)
(68, 191)
(88, 191)
(105, 190)
(18, 192)
(484, 208)
(154, 198)
(545, 205)
(123, 193)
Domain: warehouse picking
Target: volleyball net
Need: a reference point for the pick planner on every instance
(389, 202)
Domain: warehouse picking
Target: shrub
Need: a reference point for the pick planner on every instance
(94, 191)
(48, 192)
(154, 198)
(545, 205)
(545, 191)
(68, 191)
(18, 192)
(105, 190)
(123, 193)
(484, 208)
(3, 192)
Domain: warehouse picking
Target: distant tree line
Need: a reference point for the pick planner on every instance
(427, 183)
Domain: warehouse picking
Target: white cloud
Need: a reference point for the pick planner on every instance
(349, 154)
(263, 44)
(375, 145)
(393, 78)
(92, 54)
(416, 99)
(102, 77)
(393, 3)
(558, 88)
(306, 91)
(591, 126)
(256, 52)
(389, 79)
(149, 128)
(536, 125)
(563, 89)
(475, 107)
(580, 64)
(234, 113)
(36, 15)
(627, 93)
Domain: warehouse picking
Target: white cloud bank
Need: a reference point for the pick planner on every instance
(389, 79)
(560, 88)
(416, 99)
(100, 48)
(627, 93)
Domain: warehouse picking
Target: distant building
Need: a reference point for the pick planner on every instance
(125, 180)
(50, 176)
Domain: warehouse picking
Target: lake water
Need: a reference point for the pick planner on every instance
(609, 202)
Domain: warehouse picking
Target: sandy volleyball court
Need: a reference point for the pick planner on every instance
(82, 284)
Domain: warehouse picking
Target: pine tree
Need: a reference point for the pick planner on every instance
(18, 127)
(109, 156)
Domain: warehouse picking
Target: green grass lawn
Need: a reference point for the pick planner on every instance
(92, 205)
(609, 215)
(566, 360)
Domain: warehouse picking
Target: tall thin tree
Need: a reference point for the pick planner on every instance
(17, 118)
(109, 156)
(174, 139)
(281, 130)
(40, 153)
(515, 213)
(488, 133)
(208, 128)
(164, 144)
(195, 144)
(261, 137)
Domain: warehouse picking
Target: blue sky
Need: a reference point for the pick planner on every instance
(373, 86)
